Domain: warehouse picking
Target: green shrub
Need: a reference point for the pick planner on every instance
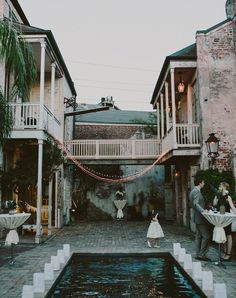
(212, 180)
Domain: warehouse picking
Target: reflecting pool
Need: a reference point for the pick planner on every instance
(124, 275)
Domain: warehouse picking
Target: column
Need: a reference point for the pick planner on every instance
(191, 129)
(53, 72)
(56, 195)
(39, 192)
(162, 116)
(167, 106)
(189, 104)
(42, 83)
(158, 121)
(50, 206)
(173, 106)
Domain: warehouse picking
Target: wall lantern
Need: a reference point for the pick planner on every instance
(176, 173)
(212, 144)
(181, 85)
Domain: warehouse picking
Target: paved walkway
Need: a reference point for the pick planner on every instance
(101, 237)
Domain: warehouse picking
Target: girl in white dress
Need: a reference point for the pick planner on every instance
(154, 231)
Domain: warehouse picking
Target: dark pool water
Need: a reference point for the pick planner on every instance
(124, 276)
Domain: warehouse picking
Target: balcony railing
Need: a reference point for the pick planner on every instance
(27, 116)
(114, 149)
(187, 135)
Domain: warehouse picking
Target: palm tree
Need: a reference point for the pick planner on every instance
(20, 72)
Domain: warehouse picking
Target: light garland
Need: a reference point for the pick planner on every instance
(93, 174)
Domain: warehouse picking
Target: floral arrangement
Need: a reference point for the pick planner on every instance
(11, 204)
(120, 194)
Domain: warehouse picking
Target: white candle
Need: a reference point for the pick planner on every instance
(61, 256)
(66, 248)
(220, 290)
(38, 282)
(55, 263)
(27, 291)
(176, 248)
(48, 271)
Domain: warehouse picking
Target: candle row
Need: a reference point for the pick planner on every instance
(42, 281)
(203, 278)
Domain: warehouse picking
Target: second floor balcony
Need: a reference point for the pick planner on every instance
(32, 118)
(185, 139)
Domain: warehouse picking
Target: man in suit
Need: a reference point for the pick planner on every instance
(203, 234)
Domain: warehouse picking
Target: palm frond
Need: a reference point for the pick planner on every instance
(18, 57)
(6, 120)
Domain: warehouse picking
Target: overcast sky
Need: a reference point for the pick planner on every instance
(117, 47)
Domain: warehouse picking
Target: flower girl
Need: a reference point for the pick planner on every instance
(154, 231)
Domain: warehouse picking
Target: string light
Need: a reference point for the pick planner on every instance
(93, 174)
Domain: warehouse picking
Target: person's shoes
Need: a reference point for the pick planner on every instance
(149, 244)
(157, 246)
(203, 258)
(226, 257)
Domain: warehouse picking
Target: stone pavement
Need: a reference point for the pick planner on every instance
(100, 237)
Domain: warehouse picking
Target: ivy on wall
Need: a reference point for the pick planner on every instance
(212, 180)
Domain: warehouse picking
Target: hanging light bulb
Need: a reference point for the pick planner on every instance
(181, 85)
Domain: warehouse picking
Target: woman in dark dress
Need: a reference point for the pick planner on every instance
(223, 199)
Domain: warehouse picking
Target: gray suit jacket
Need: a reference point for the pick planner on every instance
(197, 203)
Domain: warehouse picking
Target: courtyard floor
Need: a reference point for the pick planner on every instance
(99, 237)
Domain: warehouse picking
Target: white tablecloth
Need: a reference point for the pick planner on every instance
(219, 221)
(11, 222)
(120, 204)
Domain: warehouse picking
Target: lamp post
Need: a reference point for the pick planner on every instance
(212, 144)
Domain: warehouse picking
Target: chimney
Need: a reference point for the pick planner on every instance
(230, 8)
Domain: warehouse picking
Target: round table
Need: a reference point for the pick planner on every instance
(120, 204)
(11, 223)
(219, 221)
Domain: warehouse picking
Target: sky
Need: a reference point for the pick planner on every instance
(117, 47)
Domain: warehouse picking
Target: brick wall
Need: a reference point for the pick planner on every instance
(217, 88)
(83, 131)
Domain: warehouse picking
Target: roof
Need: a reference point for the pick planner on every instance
(28, 30)
(20, 12)
(187, 53)
(214, 27)
(113, 116)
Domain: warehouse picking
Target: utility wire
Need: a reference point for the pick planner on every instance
(112, 66)
(129, 90)
(113, 82)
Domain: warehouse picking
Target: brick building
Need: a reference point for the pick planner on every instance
(207, 71)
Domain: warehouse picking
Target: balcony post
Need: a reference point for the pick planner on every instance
(39, 192)
(173, 106)
(158, 121)
(162, 116)
(167, 106)
(42, 83)
(53, 71)
(133, 149)
(50, 206)
(97, 149)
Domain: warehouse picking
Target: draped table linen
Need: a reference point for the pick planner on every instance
(12, 222)
(219, 221)
(120, 204)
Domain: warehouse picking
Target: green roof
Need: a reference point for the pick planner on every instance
(113, 116)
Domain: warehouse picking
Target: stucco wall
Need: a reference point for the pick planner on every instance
(142, 194)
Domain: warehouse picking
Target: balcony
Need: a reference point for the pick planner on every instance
(113, 149)
(187, 143)
(26, 118)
